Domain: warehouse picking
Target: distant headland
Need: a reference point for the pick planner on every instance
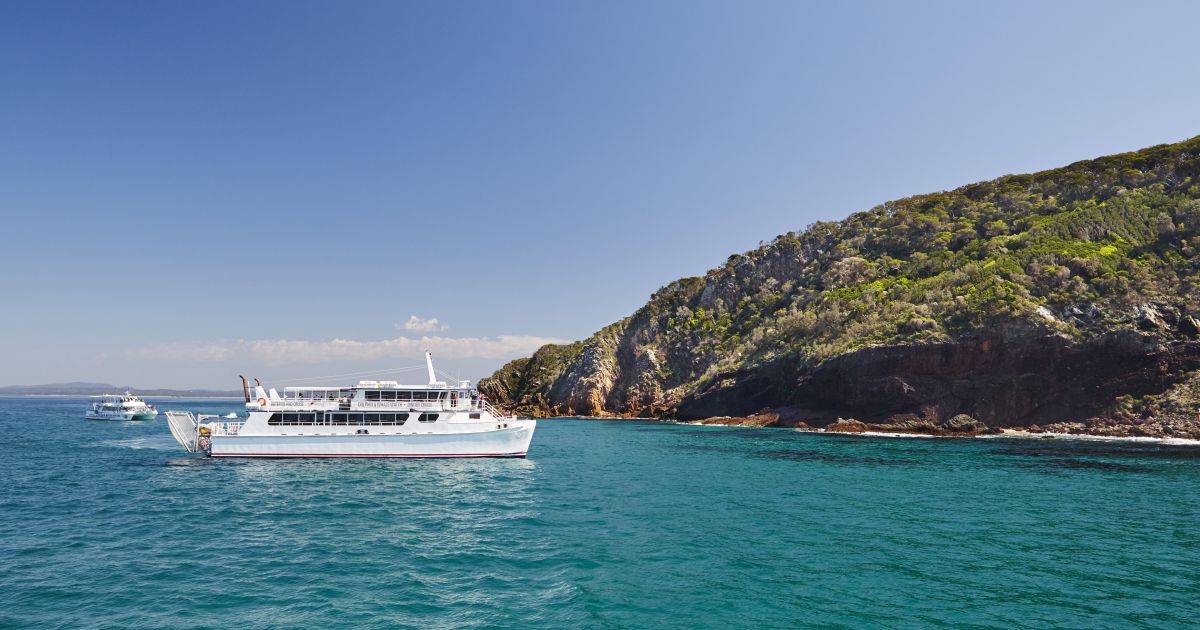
(81, 388)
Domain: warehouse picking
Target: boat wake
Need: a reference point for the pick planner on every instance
(157, 443)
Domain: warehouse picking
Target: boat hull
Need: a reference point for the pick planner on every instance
(123, 416)
(509, 442)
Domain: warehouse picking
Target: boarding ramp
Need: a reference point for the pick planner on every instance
(185, 428)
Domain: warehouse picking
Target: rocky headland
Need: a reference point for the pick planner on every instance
(1063, 301)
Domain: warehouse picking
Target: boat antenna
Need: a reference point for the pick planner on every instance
(245, 388)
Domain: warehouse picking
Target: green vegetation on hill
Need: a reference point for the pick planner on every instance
(1081, 250)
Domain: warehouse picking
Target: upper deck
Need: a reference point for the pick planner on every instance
(121, 399)
(375, 396)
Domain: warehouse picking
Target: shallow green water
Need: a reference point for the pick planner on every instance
(606, 524)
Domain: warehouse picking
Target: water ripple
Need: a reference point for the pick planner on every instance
(607, 525)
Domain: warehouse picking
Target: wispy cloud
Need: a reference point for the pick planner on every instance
(418, 324)
(284, 351)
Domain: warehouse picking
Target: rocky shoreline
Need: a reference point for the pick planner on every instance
(960, 426)
(963, 425)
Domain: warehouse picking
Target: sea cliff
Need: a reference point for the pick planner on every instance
(1064, 300)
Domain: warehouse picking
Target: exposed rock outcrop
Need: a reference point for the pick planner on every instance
(1069, 299)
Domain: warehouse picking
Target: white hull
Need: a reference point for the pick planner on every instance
(128, 415)
(510, 442)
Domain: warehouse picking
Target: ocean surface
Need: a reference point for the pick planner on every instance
(607, 524)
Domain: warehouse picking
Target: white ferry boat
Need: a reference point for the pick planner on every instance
(121, 407)
(371, 419)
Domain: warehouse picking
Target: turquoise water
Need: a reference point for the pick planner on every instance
(607, 524)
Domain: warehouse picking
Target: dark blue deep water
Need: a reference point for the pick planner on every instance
(607, 524)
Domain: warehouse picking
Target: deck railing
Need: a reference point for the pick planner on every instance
(460, 404)
(224, 428)
(487, 406)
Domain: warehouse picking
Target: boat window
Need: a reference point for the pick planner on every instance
(403, 395)
(372, 395)
(289, 419)
(338, 418)
(387, 418)
(402, 418)
(276, 418)
(356, 418)
(428, 417)
(387, 395)
(475, 415)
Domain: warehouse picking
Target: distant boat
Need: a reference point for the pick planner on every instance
(121, 407)
(371, 419)
(230, 416)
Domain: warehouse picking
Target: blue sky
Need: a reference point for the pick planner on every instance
(192, 190)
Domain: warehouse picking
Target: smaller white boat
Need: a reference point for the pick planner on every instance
(230, 416)
(121, 407)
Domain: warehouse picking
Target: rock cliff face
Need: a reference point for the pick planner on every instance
(1065, 299)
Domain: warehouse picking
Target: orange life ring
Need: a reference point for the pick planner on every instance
(262, 402)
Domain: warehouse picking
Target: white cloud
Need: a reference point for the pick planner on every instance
(418, 324)
(284, 351)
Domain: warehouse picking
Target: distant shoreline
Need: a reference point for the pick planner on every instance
(140, 394)
(95, 388)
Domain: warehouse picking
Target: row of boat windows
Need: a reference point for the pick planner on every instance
(348, 419)
(331, 394)
(387, 395)
(373, 395)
